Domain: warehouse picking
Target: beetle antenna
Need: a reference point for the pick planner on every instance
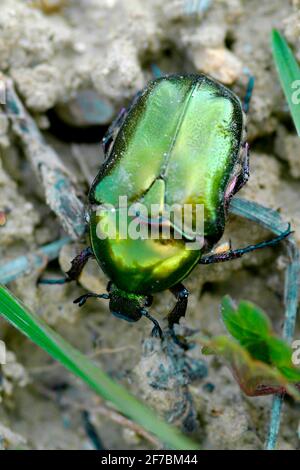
(157, 331)
(83, 298)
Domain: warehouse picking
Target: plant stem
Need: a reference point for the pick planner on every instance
(272, 220)
(58, 183)
(23, 264)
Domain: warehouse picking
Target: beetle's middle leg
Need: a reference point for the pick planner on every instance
(77, 265)
(234, 254)
(181, 294)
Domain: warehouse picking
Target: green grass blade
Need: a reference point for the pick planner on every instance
(46, 338)
(289, 73)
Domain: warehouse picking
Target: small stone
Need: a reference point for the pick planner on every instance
(86, 109)
(220, 63)
(50, 6)
(79, 47)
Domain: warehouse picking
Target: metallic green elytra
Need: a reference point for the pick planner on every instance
(180, 143)
(180, 146)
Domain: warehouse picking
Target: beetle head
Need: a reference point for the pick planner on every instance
(129, 307)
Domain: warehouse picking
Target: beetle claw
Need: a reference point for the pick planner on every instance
(80, 300)
(180, 341)
(157, 332)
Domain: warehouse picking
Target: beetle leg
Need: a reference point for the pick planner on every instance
(157, 331)
(245, 173)
(179, 310)
(248, 95)
(112, 130)
(77, 265)
(234, 254)
(181, 294)
(156, 72)
(116, 124)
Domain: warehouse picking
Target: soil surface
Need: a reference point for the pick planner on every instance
(57, 53)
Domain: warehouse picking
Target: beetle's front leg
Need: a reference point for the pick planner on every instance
(112, 130)
(245, 173)
(77, 265)
(179, 310)
(234, 254)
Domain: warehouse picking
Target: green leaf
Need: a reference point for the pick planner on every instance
(46, 338)
(247, 320)
(289, 73)
(249, 325)
(261, 362)
(280, 351)
(254, 377)
(281, 356)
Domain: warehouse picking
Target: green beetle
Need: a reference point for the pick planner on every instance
(182, 141)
